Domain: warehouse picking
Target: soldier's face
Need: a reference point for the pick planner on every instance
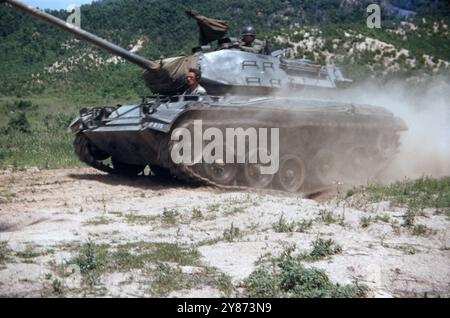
(249, 38)
(191, 80)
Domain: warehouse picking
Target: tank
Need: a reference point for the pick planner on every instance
(314, 142)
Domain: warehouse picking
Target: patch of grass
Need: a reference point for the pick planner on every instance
(167, 278)
(57, 287)
(287, 277)
(137, 255)
(289, 227)
(365, 221)
(422, 230)
(169, 216)
(102, 220)
(408, 250)
(95, 259)
(139, 219)
(231, 233)
(92, 259)
(416, 195)
(282, 226)
(6, 196)
(327, 217)
(304, 226)
(197, 214)
(409, 218)
(223, 283)
(5, 252)
(262, 284)
(28, 254)
(321, 249)
(215, 207)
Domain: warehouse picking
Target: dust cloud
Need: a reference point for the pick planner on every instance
(425, 147)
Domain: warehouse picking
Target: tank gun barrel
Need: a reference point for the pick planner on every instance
(80, 33)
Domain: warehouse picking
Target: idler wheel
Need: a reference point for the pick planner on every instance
(325, 166)
(253, 175)
(291, 175)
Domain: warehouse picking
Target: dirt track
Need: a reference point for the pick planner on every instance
(45, 215)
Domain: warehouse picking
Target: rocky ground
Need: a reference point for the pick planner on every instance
(71, 233)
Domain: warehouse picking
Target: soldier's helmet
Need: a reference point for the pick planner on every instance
(249, 31)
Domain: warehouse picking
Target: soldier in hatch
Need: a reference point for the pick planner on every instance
(249, 41)
(192, 78)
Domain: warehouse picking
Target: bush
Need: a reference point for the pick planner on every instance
(291, 279)
(261, 284)
(323, 248)
(19, 123)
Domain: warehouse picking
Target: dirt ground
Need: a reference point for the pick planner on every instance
(45, 216)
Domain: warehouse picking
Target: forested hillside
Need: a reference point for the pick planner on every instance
(38, 58)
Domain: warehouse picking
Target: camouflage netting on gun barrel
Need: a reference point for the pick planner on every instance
(167, 76)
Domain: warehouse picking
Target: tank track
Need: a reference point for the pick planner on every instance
(84, 152)
(190, 175)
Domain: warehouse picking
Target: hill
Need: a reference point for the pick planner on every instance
(39, 59)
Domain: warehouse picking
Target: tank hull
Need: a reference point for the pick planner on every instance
(323, 142)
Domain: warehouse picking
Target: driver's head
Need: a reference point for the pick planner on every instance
(248, 34)
(193, 76)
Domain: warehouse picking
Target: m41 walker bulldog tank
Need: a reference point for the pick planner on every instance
(318, 142)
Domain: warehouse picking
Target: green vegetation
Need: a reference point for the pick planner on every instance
(327, 217)
(415, 195)
(287, 277)
(33, 132)
(96, 259)
(161, 262)
(5, 252)
(321, 249)
(232, 233)
(288, 227)
(169, 217)
(365, 221)
(28, 254)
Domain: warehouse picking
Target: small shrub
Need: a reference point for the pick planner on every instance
(19, 123)
(232, 233)
(323, 248)
(4, 252)
(365, 221)
(282, 226)
(261, 284)
(166, 279)
(170, 216)
(304, 226)
(290, 279)
(327, 217)
(422, 230)
(92, 260)
(57, 287)
(23, 105)
(409, 218)
(197, 214)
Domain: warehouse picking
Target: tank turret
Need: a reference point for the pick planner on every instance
(224, 70)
